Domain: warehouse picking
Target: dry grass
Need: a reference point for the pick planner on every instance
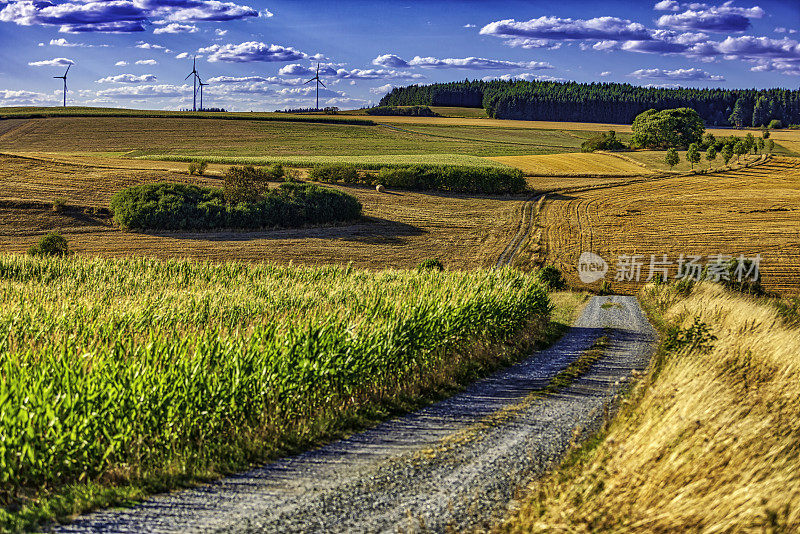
(747, 211)
(574, 164)
(709, 443)
(401, 228)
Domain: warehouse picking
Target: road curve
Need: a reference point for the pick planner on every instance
(455, 464)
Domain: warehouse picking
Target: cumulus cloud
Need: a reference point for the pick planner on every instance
(271, 80)
(725, 18)
(530, 44)
(611, 28)
(55, 62)
(677, 74)
(182, 55)
(251, 51)
(121, 64)
(151, 46)
(119, 16)
(147, 62)
(220, 33)
(605, 73)
(383, 89)
(475, 63)
(128, 78)
(140, 91)
(469, 26)
(20, 98)
(176, 27)
(67, 44)
(667, 5)
(296, 69)
(391, 61)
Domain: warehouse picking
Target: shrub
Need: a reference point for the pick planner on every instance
(605, 288)
(336, 173)
(183, 207)
(431, 264)
(551, 276)
(606, 141)
(245, 184)
(698, 337)
(53, 244)
(454, 179)
(59, 204)
(775, 124)
(409, 111)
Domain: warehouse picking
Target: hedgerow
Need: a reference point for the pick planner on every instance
(169, 206)
(428, 178)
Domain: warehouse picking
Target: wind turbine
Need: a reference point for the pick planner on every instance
(64, 77)
(194, 82)
(199, 81)
(318, 84)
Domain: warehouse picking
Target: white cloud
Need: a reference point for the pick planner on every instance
(182, 55)
(526, 76)
(176, 27)
(383, 89)
(221, 33)
(605, 73)
(55, 62)
(251, 51)
(139, 91)
(677, 74)
(121, 64)
(147, 62)
(469, 26)
(667, 5)
(128, 78)
(612, 28)
(474, 63)
(724, 19)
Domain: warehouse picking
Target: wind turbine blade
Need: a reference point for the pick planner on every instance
(309, 81)
(322, 84)
(187, 76)
(67, 72)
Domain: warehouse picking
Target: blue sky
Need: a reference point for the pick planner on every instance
(256, 55)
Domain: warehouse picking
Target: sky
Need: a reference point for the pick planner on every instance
(256, 55)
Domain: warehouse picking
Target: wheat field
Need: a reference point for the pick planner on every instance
(576, 164)
(747, 211)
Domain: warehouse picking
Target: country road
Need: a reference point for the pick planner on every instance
(455, 464)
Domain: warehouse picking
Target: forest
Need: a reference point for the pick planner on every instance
(602, 102)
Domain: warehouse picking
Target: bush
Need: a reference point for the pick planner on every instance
(431, 264)
(454, 179)
(775, 124)
(59, 204)
(183, 207)
(698, 337)
(605, 288)
(247, 184)
(551, 276)
(335, 174)
(198, 167)
(409, 111)
(606, 141)
(53, 244)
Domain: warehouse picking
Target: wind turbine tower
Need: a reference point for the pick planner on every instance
(64, 77)
(194, 83)
(318, 84)
(200, 82)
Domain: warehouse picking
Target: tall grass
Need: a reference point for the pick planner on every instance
(708, 441)
(111, 370)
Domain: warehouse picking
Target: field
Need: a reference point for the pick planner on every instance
(401, 229)
(120, 371)
(707, 441)
(747, 211)
(576, 164)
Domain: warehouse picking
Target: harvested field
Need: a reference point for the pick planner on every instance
(400, 229)
(574, 164)
(747, 211)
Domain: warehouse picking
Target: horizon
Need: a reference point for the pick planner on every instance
(257, 56)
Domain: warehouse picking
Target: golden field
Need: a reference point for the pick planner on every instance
(575, 164)
(707, 442)
(748, 211)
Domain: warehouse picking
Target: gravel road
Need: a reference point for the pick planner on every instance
(455, 464)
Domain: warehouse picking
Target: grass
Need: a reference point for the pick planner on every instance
(746, 211)
(124, 373)
(707, 440)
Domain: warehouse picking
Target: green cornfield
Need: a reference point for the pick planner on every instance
(114, 368)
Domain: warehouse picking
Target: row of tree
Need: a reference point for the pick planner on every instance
(602, 102)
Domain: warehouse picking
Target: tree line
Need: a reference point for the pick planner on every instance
(602, 102)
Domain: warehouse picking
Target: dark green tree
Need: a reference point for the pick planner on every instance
(711, 155)
(740, 148)
(769, 144)
(761, 112)
(726, 153)
(667, 128)
(737, 116)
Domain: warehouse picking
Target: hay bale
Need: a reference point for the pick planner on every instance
(380, 189)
